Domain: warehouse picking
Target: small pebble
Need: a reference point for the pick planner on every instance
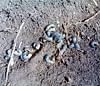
(94, 44)
(47, 59)
(36, 45)
(25, 56)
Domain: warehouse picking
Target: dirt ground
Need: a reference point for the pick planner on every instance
(79, 68)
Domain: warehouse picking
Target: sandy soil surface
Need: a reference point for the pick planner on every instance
(78, 69)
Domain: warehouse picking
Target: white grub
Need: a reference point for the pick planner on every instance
(6, 57)
(94, 44)
(27, 48)
(52, 30)
(48, 33)
(25, 56)
(64, 47)
(77, 46)
(48, 59)
(74, 39)
(17, 52)
(9, 51)
(48, 38)
(36, 45)
(59, 45)
(57, 37)
(51, 27)
(72, 45)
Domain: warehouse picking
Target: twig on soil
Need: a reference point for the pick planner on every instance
(95, 2)
(20, 45)
(11, 61)
(65, 30)
(92, 17)
(88, 19)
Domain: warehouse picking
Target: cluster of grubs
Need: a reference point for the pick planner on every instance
(51, 35)
(58, 38)
(25, 54)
